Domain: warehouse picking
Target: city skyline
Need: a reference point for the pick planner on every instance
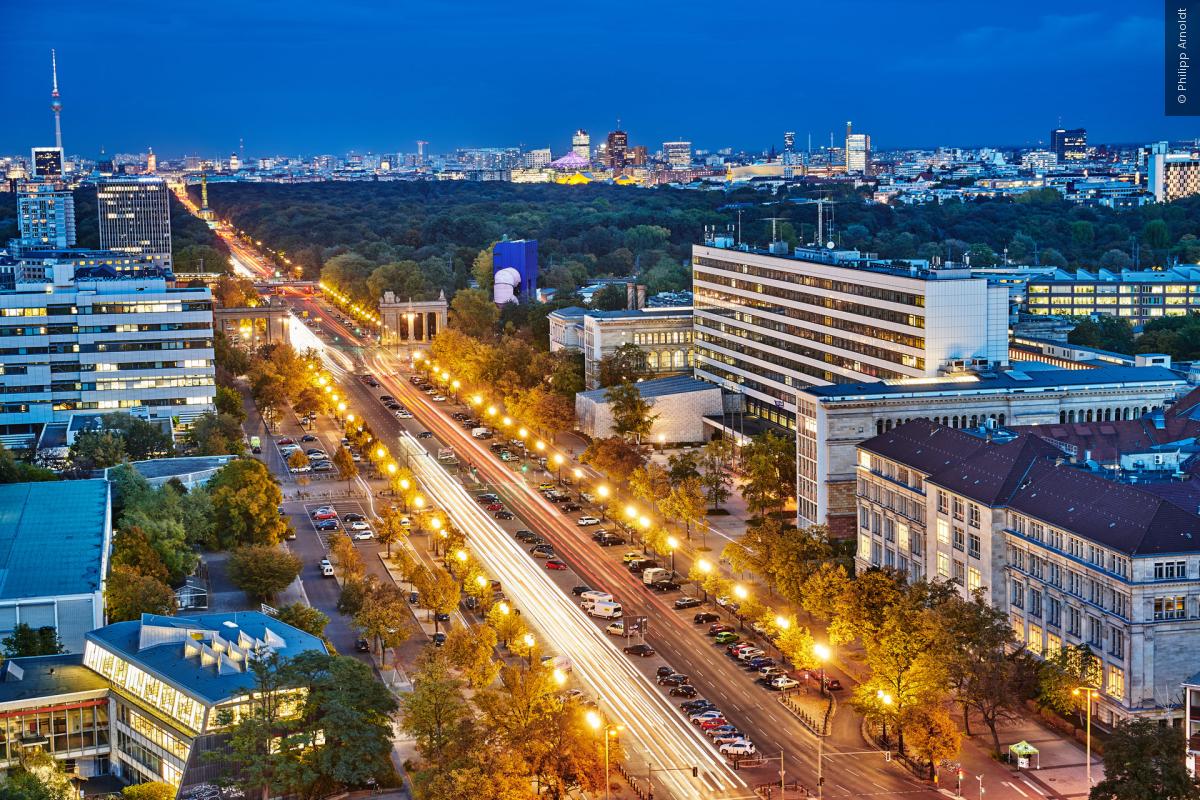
(291, 84)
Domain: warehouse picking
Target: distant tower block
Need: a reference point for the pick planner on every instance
(421, 145)
(55, 102)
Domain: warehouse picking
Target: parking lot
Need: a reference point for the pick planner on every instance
(342, 508)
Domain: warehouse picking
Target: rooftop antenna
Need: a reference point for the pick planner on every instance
(774, 227)
(55, 102)
(739, 238)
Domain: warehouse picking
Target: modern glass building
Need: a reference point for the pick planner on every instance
(135, 217)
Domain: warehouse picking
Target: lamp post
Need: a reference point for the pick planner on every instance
(597, 723)
(887, 701)
(341, 407)
(823, 654)
(578, 473)
(455, 384)
(1088, 693)
(391, 470)
(529, 642)
(662, 442)
(404, 486)
(741, 593)
(644, 524)
(705, 567)
(602, 492)
(558, 462)
(672, 544)
(462, 557)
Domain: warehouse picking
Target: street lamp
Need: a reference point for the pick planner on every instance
(1088, 693)
(741, 593)
(578, 473)
(594, 720)
(506, 421)
(455, 385)
(887, 701)
(602, 491)
(404, 486)
(823, 654)
(705, 567)
(558, 462)
(529, 642)
(644, 523)
(662, 442)
(672, 544)
(491, 411)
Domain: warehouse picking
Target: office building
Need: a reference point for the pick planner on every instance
(677, 155)
(858, 152)
(1069, 144)
(1191, 724)
(618, 145)
(770, 325)
(581, 145)
(1138, 295)
(135, 217)
(54, 560)
(47, 163)
(637, 156)
(1073, 556)
(663, 335)
(680, 404)
(1039, 161)
(45, 217)
(835, 419)
(536, 159)
(93, 338)
(1172, 175)
(145, 699)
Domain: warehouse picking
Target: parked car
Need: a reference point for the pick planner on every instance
(758, 663)
(706, 616)
(749, 653)
(425, 435)
(674, 679)
(782, 683)
(726, 737)
(580, 589)
(542, 551)
(631, 555)
(352, 517)
(357, 525)
(686, 602)
(641, 650)
(683, 690)
(494, 507)
(362, 645)
(727, 637)
(439, 639)
(365, 534)
(503, 515)
(708, 713)
(709, 724)
(722, 730)
(718, 628)
(554, 563)
(570, 508)
(585, 521)
(664, 670)
(743, 747)
(327, 525)
(284, 440)
(692, 706)
(833, 684)
(299, 469)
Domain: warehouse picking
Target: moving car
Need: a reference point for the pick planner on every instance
(686, 602)
(584, 521)
(641, 650)
(361, 644)
(326, 568)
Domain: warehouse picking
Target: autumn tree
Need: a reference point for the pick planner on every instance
(769, 463)
(306, 618)
(384, 618)
(471, 650)
(474, 313)
(650, 482)
(630, 411)
(390, 528)
(347, 470)
(129, 594)
(346, 555)
(439, 592)
(932, 735)
(245, 502)
(714, 472)
(263, 571)
(627, 364)
(1144, 759)
(614, 456)
(432, 712)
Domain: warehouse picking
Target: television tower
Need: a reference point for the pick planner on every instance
(55, 102)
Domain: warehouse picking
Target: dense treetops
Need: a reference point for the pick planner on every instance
(582, 232)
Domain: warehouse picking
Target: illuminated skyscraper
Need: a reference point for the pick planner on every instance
(135, 217)
(45, 217)
(858, 152)
(678, 155)
(581, 144)
(618, 145)
(1069, 144)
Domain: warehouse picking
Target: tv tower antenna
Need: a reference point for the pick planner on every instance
(55, 102)
(774, 227)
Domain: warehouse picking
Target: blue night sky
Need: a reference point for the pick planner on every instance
(304, 77)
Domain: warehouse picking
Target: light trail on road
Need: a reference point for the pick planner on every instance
(627, 696)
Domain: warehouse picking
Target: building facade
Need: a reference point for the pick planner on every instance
(677, 155)
(858, 153)
(618, 145)
(135, 217)
(680, 404)
(770, 325)
(94, 339)
(581, 145)
(45, 217)
(409, 325)
(1137, 295)
(1171, 175)
(1069, 144)
(1073, 557)
(144, 700)
(834, 420)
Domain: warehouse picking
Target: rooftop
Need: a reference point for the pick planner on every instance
(52, 537)
(205, 654)
(1026, 473)
(1018, 380)
(916, 270)
(683, 312)
(47, 676)
(167, 467)
(1182, 273)
(658, 387)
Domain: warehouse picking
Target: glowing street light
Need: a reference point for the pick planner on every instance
(558, 462)
(1087, 692)
(595, 722)
(673, 545)
(783, 622)
(506, 421)
(491, 411)
(823, 654)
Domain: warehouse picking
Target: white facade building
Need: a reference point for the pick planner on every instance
(135, 217)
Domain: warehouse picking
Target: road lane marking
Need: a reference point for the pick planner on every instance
(1015, 788)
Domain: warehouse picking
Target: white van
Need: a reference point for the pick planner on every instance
(592, 596)
(606, 610)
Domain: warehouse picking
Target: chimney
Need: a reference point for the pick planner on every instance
(630, 299)
(641, 295)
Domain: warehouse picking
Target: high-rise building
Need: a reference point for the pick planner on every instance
(47, 163)
(581, 144)
(151, 162)
(235, 163)
(769, 325)
(678, 155)
(789, 141)
(1170, 176)
(1069, 144)
(636, 156)
(618, 145)
(135, 217)
(858, 152)
(117, 341)
(45, 217)
(536, 159)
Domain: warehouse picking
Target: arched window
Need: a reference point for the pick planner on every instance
(974, 421)
(1002, 420)
(878, 426)
(652, 360)
(1089, 415)
(1071, 415)
(1108, 415)
(1062, 416)
(664, 359)
(955, 422)
(678, 363)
